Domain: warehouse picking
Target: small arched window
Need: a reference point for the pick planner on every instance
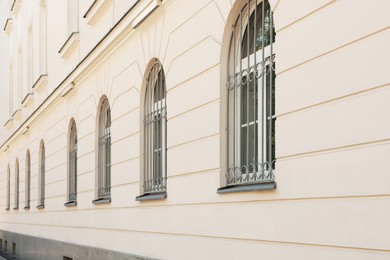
(8, 202)
(104, 153)
(41, 177)
(72, 165)
(27, 180)
(16, 195)
(155, 135)
(250, 98)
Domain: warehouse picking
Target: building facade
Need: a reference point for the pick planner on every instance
(207, 129)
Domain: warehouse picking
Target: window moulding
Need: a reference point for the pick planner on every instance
(40, 83)
(70, 44)
(16, 5)
(96, 10)
(27, 100)
(8, 25)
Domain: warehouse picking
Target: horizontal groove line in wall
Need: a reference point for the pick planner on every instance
(213, 237)
(305, 16)
(193, 141)
(174, 87)
(332, 50)
(124, 114)
(184, 174)
(123, 138)
(214, 203)
(194, 108)
(334, 100)
(335, 149)
(208, 37)
(81, 138)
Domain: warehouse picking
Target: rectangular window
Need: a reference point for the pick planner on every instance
(5, 246)
(13, 249)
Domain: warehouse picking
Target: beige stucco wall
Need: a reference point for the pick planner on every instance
(333, 136)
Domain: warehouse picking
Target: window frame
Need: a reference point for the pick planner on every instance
(103, 154)
(8, 190)
(250, 67)
(27, 180)
(41, 176)
(72, 165)
(16, 194)
(154, 131)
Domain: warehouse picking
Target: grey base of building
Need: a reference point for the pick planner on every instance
(35, 248)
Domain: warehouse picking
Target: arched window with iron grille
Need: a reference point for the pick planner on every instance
(27, 180)
(41, 178)
(16, 195)
(72, 165)
(104, 153)
(155, 135)
(250, 100)
(8, 202)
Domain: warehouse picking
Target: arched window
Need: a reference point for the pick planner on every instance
(8, 188)
(155, 135)
(16, 201)
(250, 99)
(104, 153)
(41, 177)
(72, 166)
(27, 180)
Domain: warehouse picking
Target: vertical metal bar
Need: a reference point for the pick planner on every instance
(262, 83)
(270, 92)
(247, 85)
(234, 101)
(255, 119)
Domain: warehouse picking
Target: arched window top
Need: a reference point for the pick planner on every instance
(155, 88)
(250, 98)
(104, 153)
(154, 134)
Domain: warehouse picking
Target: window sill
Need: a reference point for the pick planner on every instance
(101, 201)
(247, 187)
(27, 99)
(152, 196)
(41, 81)
(69, 45)
(27, 207)
(6, 208)
(40, 206)
(70, 203)
(16, 208)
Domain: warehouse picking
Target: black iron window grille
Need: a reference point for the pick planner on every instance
(155, 127)
(251, 97)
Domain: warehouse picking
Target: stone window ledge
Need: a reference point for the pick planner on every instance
(41, 81)
(96, 10)
(152, 196)
(70, 44)
(247, 187)
(101, 201)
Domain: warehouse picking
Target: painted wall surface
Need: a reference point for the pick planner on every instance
(332, 199)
